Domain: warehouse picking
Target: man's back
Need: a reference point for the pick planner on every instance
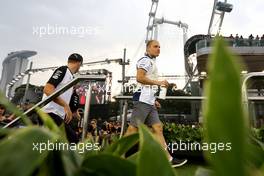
(60, 78)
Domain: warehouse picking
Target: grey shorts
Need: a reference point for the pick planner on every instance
(144, 113)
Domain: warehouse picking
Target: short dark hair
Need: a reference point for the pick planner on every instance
(150, 42)
(94, 120)
(75, 57)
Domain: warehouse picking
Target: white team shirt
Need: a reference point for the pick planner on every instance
(60, 78)
(146, 93)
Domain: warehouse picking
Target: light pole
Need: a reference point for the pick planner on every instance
(123, 63)
(27, 86)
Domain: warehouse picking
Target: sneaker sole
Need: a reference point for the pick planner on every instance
(180, 164)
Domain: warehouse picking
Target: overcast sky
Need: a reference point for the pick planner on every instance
(110, 26)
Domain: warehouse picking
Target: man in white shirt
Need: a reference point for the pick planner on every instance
(59, 109)
(144, 101)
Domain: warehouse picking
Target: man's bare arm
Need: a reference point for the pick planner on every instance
(143, 79)
(49, 89)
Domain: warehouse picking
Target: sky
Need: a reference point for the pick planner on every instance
(99, 29)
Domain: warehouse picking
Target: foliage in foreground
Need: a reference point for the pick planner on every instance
(225, 122)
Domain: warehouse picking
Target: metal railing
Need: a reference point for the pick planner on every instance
(61, 91)
(125, 106)
(231, 42)
(245, 98)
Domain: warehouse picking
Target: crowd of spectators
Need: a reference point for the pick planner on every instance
(99, 130)
(250, 41)
(5, 116)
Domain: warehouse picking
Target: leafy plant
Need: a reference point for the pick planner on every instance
(21, 157)
(184, 133)
(225, 120)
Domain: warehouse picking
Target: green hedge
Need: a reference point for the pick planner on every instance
(191, 133)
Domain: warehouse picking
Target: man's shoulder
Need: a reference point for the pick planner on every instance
(64, 68)
(58, 75)
(61, 70)
(144, 58)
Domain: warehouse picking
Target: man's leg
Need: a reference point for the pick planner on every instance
(139, 115)
(131, 130)
(71, 135)
(157, 128)
(158, 133)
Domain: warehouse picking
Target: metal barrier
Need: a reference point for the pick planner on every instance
(125, 98)
(125, 107)
(61, 91)
(245, 98)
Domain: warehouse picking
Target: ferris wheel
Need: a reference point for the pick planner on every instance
(218, 13)
(153, 24)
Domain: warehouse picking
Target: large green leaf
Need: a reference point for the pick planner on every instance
(19, 157)
(255, 152)
(60, 162)
(49, 123)
(71, 162)
(107, 165)
(152, 159)
(52, 165)
(133, 158)
(121, 146)
(224, 116)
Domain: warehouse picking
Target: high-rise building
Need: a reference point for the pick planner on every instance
(14, 64)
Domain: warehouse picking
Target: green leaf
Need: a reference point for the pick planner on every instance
(49, 123)
(71, 162)
(203, 172)
(4, 132)
(60, 162)
(107, 165)
(121, 146)
(255, 152)
(224, 115)
(19, 157)
(133, 158)
(52, 166)
(152, 159)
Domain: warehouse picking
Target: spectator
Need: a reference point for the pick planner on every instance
(262, 40)
(250, 40)
(257, 41)
(2, 113)
(231, 40)
(93, 131)
(236, 40)
(241, 41)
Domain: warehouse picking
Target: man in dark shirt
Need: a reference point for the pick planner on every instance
(59, 109)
